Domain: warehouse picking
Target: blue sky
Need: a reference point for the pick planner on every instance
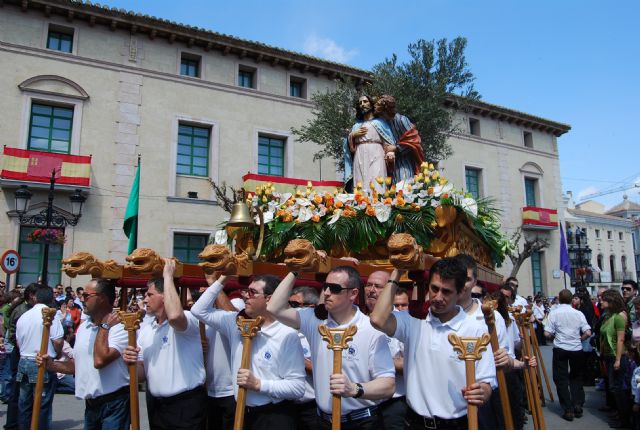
(575, 62)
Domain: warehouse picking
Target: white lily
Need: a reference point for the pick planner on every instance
(335, 217)
(382, 211)
(220, 237)
(305, 214)
(470, 205)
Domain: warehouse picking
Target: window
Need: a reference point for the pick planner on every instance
(60, 39)
(609, 234)
(620, 235)
(536, 271)
(472, 177)
(297, 87)
(530, 185)
(193, 150)
(246, 77)
(190, 65)
(270, 156)
(186, 247)
(528, 139)
(474, 126)
(600, 262)
(50, 128)
(623, 260)
(612, 264)
(597, 233)
(31, 260)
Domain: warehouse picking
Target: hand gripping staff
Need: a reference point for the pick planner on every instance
(47, 319)
(131, 322)
(337, 339)
(248, 330)
(489, 318)
(470, 349)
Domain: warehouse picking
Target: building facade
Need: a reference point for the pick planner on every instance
(199, 106)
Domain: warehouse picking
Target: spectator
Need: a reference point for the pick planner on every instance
(629, 292)
(75, 312)
(66, 383)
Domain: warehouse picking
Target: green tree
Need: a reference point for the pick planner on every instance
(434, 72)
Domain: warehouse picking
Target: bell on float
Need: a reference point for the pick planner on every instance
(240, 216)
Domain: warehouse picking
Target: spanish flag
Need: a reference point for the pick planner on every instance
(542, 217)
(36, 166)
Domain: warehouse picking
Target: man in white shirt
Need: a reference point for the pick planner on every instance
(29, 330)
(393, 410)
(368, 374)
(568, 328)
(170, 358)
(538, 314)
(101, 378)
(277, 373)
(437, 394)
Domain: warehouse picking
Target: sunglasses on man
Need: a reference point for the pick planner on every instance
(476, 295)
(627, 288)
(296, 305)
(334, 288)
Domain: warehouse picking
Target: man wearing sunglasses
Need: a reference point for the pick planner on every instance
(368, 374)
(437, 394)
(276, 375)
(629, 292)
(101, 378)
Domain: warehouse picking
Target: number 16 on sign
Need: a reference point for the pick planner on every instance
(10, 263)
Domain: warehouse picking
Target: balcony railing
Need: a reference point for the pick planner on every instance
(535, 218)
(606, 277)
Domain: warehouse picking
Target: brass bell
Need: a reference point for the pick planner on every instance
(240, 216)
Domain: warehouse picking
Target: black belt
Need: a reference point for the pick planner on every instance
(436, 422)
(269, 407)
(105, 398)
(179, 396)
(357, 415)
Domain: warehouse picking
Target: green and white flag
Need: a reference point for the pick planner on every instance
(130, 225)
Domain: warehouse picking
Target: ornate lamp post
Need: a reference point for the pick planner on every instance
(580, 256)
(49, 217)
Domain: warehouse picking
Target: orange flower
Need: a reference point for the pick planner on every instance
(430, 190)
(317, 199)
(358, 198)
(369, 211)
(339, 204)
(290, 202)
(400, 193)
(349, 212)
(445, 196)
(387, 201)
(399, 201)
(315, 218)
(288, 217)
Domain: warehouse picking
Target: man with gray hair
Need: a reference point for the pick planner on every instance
(304, 297)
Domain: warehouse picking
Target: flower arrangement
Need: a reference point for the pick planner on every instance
(355, 222)
(47, 235)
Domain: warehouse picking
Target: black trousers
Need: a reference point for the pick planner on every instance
(371, 423)
(307, 415)
(490, 414)
(568, 374)
(393, 413)
(220, 413)
(515, 388)
(184, 411)
(281, 416)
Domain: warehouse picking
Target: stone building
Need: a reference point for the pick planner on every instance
(81, 79)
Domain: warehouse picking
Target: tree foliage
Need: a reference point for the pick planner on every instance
(434, 71)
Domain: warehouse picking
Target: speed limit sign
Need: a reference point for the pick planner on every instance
(10, 261)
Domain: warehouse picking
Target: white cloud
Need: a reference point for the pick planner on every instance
(585, 192)
(328, 49)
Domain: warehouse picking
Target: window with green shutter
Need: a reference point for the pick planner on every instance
(472, 177)
(530, 186)
(60, 41)
(536, 271)
(189, 67)
(193, 150)
(186, 247)
(270, 156)
(31, 260)
(245, 78)
(50, 128)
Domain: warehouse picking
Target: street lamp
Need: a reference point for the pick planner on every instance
(580, 255)
(49, 217)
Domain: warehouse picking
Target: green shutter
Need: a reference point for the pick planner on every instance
(193, 150)
(31, 260)
(270, 156)
(186, 247)
(50, 128)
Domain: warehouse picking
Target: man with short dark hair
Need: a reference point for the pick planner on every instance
(101, 378)
(276, 374)
(59, 292)
(518, 300)
(29, 329)
(368, 374)
(170, 358)
(629, 292)
(401, 299)
(437, 393)
(568, 328)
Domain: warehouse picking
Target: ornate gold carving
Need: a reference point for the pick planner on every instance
(337, 338)
(84, 263)
(405, 253)
(301, 255)
(47, 316)
(218, 258)
(469, 348)
(130, 320)
(249, 327)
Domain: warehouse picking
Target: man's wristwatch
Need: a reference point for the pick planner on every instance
(360, 391)
(105, 326)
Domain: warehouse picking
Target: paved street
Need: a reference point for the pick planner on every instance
(68, 411)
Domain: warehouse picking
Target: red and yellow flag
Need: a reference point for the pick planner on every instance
(36, 166)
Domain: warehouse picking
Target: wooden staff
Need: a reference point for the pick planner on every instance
(527, 385)
(530, 375)
(538, 354)
(47, 319)
(131, 322)
(337, 339)
(248, 330)
(470, 349)
(489, 318)
(532, 338)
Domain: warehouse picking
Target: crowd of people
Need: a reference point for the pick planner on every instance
(399, 370)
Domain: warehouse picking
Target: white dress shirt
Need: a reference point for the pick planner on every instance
(172, 359)
(309, 392)
(435, 376)
(219, 379)
(92, 382)
(367, 358)
(29, 332)
(567, 325)
(521, 301)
